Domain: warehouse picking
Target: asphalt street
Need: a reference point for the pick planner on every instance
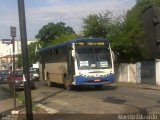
(88, 100)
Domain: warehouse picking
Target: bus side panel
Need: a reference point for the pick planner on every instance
(56, 71)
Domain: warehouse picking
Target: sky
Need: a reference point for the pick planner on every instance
(41, 12)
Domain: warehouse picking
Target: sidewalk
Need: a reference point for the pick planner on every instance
(138, 85)
(6, 100)
(7, 105)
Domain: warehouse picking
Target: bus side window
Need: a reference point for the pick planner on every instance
(56, 51)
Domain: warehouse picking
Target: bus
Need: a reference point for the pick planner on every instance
(85, 61)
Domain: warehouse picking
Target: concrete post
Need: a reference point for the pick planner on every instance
(158, 72)
(138, 72)
(128, 73)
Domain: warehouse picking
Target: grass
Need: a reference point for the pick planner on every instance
(22, 101)
(20, 98)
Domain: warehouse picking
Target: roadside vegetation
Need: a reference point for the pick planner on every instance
(125, 33)
(20, 98)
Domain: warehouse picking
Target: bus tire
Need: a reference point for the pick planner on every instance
(98, 87)
(49, 83)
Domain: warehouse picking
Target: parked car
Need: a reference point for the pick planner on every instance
(3, 76)
(19, 80)
(34, 75)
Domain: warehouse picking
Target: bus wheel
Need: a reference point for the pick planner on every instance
(49, 83)
(98, 86)
(67, 85)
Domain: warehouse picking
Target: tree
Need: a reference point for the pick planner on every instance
(52, 31)
(64, 37)
(128, 37)
(33, 52)
(97, 25)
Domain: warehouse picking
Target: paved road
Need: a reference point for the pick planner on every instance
(88, 100)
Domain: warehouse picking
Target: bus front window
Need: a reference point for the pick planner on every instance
(93, 57)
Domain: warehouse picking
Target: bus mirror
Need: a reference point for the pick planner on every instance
(73, 58)
(70, 48)
(73, 53)
(113, 55)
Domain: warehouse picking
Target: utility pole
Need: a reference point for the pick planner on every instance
(23, 34)
(14, 90)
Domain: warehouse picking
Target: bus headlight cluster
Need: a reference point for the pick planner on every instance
(103, 75)
(85, 75)
(93, 75)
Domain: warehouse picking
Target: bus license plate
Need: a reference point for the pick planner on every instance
(97, 80)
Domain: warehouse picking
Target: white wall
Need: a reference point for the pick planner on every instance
(127, 73)
(6, 49)
(132, 72)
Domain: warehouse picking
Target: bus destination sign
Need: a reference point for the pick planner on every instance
(91, 43)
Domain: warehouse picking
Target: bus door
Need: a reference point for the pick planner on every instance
(70, 64)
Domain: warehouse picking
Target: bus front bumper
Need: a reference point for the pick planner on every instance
(81, 80)
(97, 83)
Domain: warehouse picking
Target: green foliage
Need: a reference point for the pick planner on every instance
(125, 33)
(33, 52)
(97, 25)
(63, 38)
(52, 31)
(128, 38)
(48, 35)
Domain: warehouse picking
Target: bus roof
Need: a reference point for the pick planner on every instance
(73, 41)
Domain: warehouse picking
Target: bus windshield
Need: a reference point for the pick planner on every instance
(93, 57)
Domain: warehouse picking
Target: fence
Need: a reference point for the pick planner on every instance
(141, 72)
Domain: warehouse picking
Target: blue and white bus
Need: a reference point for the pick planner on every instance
(87, 61)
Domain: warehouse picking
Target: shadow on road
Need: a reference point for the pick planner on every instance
(48, 96)
(115, 100)
(84, 88)
(92, 88)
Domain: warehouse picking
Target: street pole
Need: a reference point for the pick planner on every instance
(27, 86)
(14, 90)
(13, 35)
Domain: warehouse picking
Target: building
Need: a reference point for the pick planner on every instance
(151, 23)
(6, 52)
